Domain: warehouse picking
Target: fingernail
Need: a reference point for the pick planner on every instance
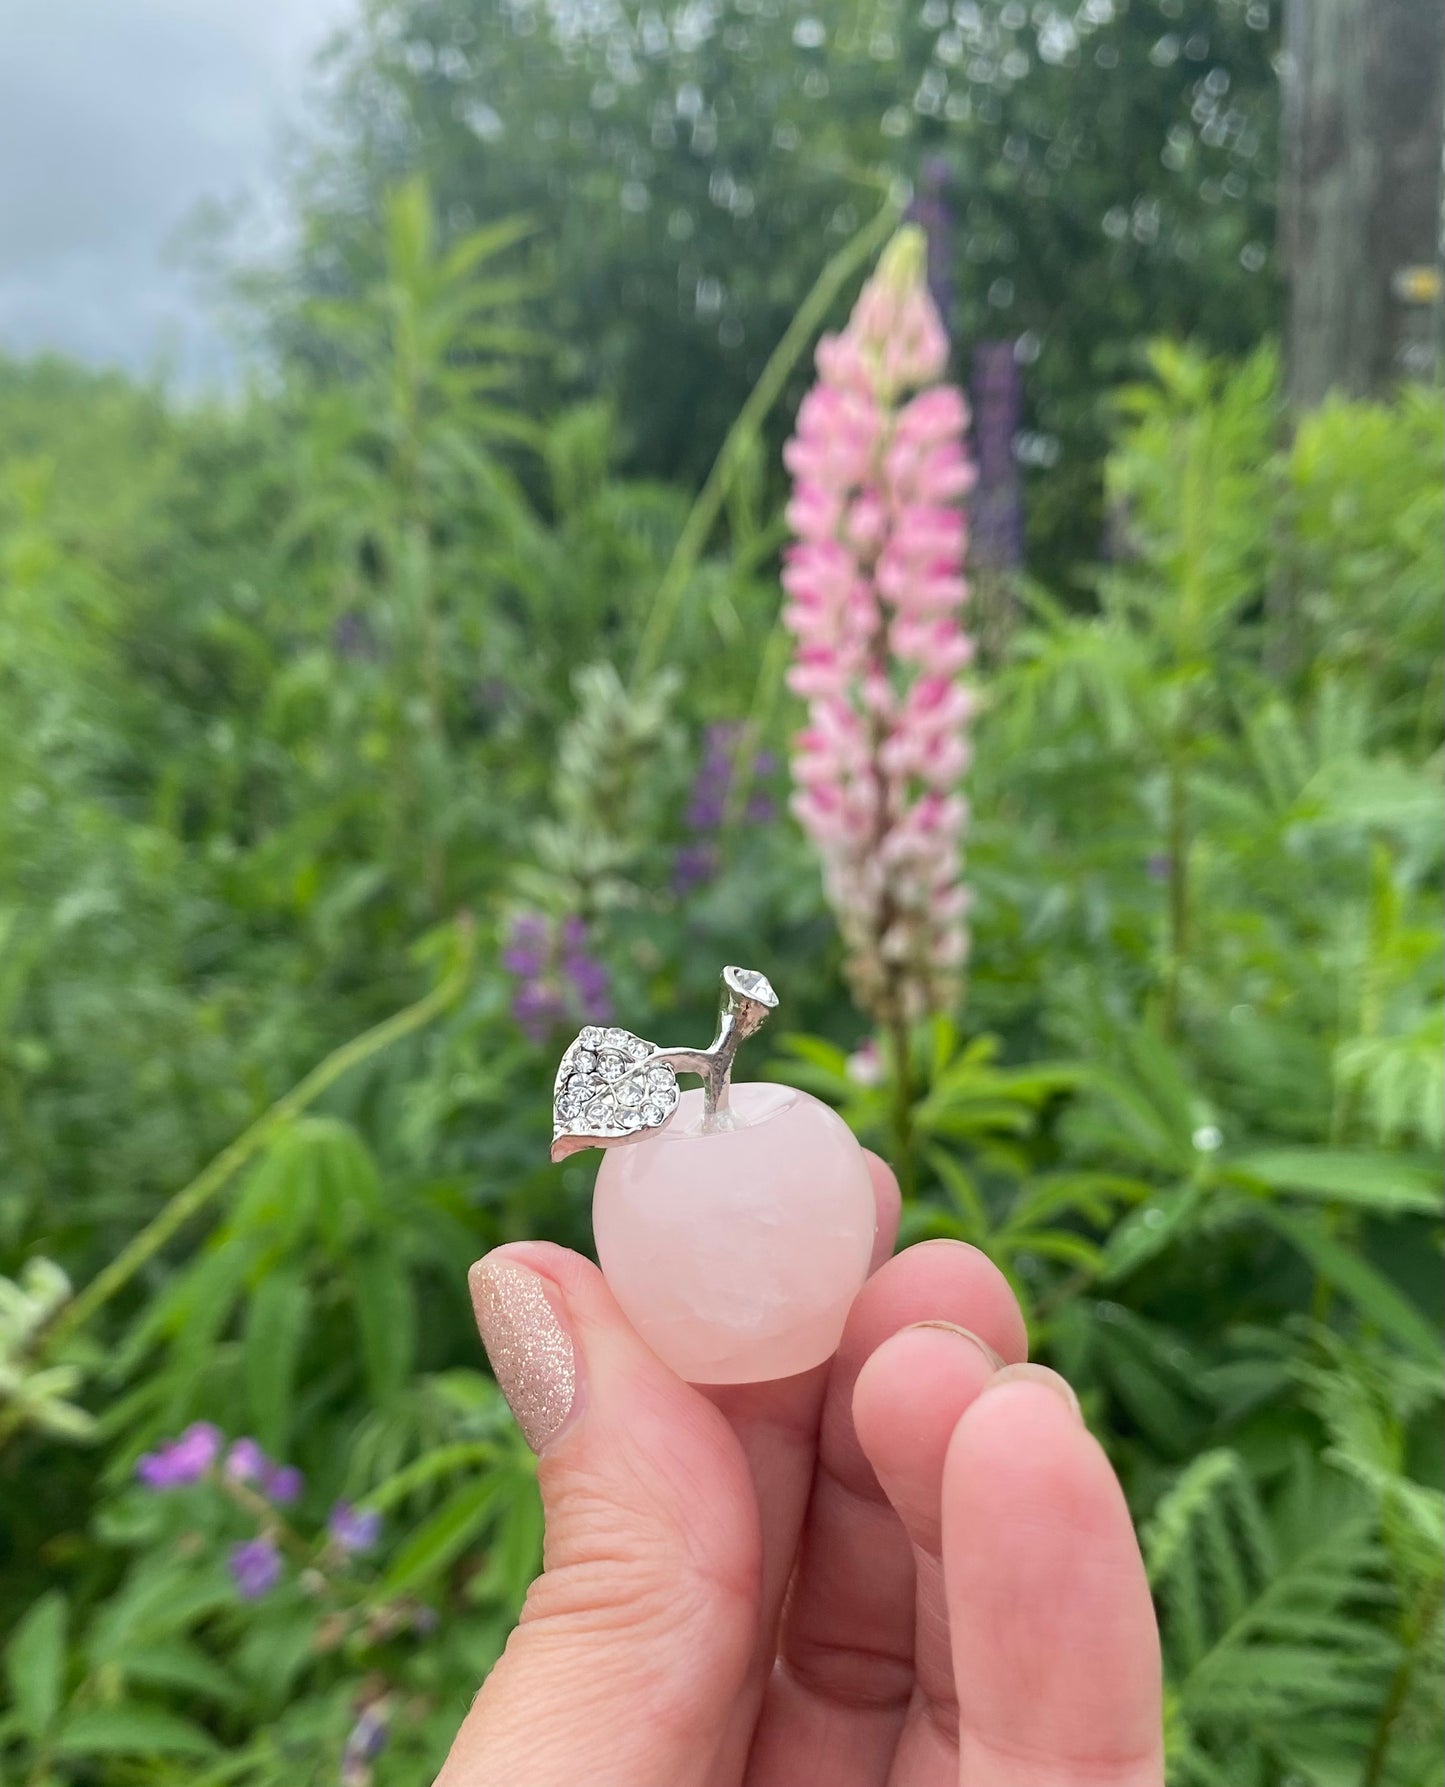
(1037, 1374)
(995, 1362)
(531, 1353)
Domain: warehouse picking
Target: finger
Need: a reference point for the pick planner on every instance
(648, 1596)
(909, 1397)
(777, 1427)
(834, 1706)
(889, 1200)
(1055, 1651)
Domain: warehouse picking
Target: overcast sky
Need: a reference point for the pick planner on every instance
(118, 118)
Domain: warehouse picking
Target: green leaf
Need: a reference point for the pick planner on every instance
(131, 1731)
(1057, 1244)
(441, 1538)
(827, 1057)
(35, 1663)
(1360, 1177)
(275, 1328)
(963, 1193)
(440, 1461)
(1366, 1287)
(176, 1664)
(1151, 1228)
(386, 1317)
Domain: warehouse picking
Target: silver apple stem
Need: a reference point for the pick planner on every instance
(746, 1000)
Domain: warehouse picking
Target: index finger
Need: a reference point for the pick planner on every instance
(1055, 1646)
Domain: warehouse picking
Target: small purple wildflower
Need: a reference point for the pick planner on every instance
(352, 637)
(365, 1741)
(353, 1529)
(865, 1064)
(183, 1460)
(283, 1484)
(255, 1566)
(246, 1462)
(1158, 866)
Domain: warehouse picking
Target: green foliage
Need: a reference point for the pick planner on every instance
(294, 685)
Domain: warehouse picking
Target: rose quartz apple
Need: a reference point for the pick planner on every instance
(737, 1253)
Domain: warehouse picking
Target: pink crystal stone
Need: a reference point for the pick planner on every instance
(737, 1253)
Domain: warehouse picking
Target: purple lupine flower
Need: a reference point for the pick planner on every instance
(997, 507)
(693, 866)
(761, 806)
(353, 1529)
(559, 980)
(707, 803)
(255, 1566)
(697, 861)
(539, 1010)
(183, 1460)
(246, 1462)
(365, 1742)
(528, 946)
(283, 1484)
(592, 983)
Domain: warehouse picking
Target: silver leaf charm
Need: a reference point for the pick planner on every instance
(613, 1086)
(610, 1087)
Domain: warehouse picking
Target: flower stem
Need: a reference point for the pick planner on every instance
(1179, 904)
(904, 1148)
(1416, 1632)
(193, 1198)
(696, 530)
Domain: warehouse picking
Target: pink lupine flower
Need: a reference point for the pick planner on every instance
(875, 588)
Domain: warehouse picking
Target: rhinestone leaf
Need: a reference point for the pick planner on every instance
(609, 1089)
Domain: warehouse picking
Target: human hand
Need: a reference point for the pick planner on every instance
(911, 1567)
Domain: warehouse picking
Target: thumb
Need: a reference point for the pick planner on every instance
(637, 1634)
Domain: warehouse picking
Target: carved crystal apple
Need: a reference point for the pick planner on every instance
(736, 1236)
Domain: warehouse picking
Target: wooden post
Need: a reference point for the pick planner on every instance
(1364, 127)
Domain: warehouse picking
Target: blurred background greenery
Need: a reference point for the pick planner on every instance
(366, 732)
